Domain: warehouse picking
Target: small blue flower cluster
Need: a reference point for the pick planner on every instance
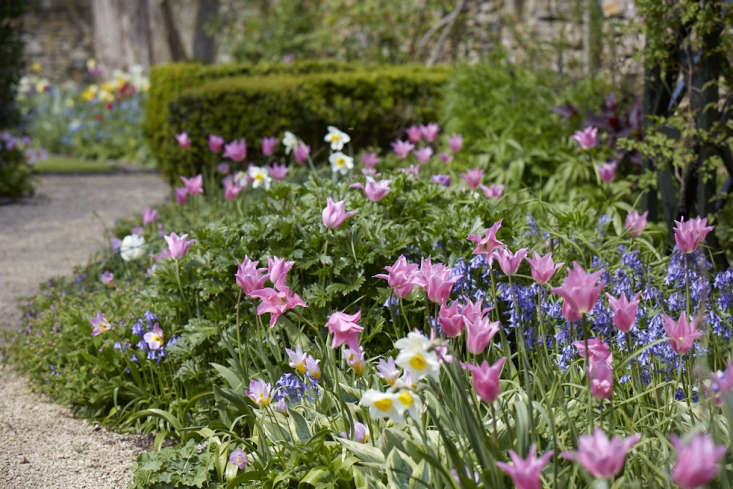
(140, 328)
(290, 388)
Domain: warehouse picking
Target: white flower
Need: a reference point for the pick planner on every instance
(132, 247)
(341, 163)
(408, 401)
(259, 177)
(290, 142)
(383, 405)
(240, 178)
(415, 358)
(337, 138)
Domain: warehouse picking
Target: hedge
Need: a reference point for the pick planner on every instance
(373, 107)
(168, 81)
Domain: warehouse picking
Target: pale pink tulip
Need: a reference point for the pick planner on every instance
(334, 214)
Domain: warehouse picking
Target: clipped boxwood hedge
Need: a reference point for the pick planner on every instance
(376, 101)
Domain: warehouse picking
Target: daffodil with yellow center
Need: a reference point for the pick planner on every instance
(416, 357)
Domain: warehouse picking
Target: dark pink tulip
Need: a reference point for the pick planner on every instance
(249, 277)
(681, 333)
(301, 153)
(486, 379)
(183, 140)
(236, 150)
(193, 185)
(181, 195)
(177, 245)
(414, 134)
(344, 329)
(697, 460)
(542, 267)
(472, 177)
(526, 472)
(488, 243)
(636, 223)
(451, 319)
(278, 269)
(215, 143)
(430, 131)
(445, 157)
(334, 214)
(455, 142)
(268, 145)
(607, 171)
(403, 277)
(232, 189)
(508, 261)
(579, 290)
(438, 280)
(602, 457)
(624, 311)
(374, 191)
(688, 235)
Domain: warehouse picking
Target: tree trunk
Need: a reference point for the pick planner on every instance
(121, 34)
(204, 44)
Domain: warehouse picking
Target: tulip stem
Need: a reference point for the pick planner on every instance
(493, 419)
(687, 284)
(519, 337)
(178, 279)
(236, 325)
(587, 374)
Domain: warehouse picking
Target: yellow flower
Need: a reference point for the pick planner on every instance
(36, 67)
(90, 92)
(91, 63)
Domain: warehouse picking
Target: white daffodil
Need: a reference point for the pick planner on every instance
(240, 178)
(132, 247)
(415, 358)
(290, 142)
(410, 402)
(259, 177)
(337, 138)
(383, 405)
(341, 163)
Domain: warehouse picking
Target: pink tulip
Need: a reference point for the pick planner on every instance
(277, 302)
(387, 370)
(193, 185)
(402, 148)
(721, 384)
(602, 457)
(412, 170)
(301, 153)
(688, 235)
(334, 214)
(177, 245)
(486, 379)
(636, 223)
(587, 138)
(697, 460)
(259, 392)
(181, 195)
(543, 268)
(579, 290)
(569, 313)
(231, 190)
(455, 142)
(479, 334)
(508, 261)
(598, 350)
(493, 191)
(249, 277)
(374, 191)
(526, 472)
(369, 160)
(438, 280)
(150, 216)
(472, 177)
(445, 157)
(183, 140)
(277, 171)
(473, 311)
(414, 134)
(601, 380)
(278, 269)
(344, 329)
(423, 154)
(607, 171)
(624, 311)
(268, 145)
(236, 150)
(485, 246)
(451, 319)
(215, 143)
(681, 333)
(403, 277)
(430, 131)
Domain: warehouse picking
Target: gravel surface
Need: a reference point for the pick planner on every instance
(41, 444)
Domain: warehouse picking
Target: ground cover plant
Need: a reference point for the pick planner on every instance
(395, 320)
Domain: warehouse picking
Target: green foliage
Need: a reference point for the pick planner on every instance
(183, 467)
(15, 173)
(11, 59)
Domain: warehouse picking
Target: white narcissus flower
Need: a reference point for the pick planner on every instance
(415, 358)
(341, 163)
(289, 141)
(383, 405)
(337, 138)
(260, 177)
(408, 401)
(132, 247)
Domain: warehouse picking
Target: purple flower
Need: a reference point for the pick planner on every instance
(440, 179)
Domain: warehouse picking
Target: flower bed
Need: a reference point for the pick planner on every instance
(292, 327)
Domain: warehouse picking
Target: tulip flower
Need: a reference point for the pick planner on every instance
(99, 324)
(721, 384)
(542, 267)
(181, 195)
(688, 235)
(259, 391)
(183, 140)
(479, 333)
(607, 171)
(451, 319)
(473, 311)
(231, 190)
(150, 215)
(455, 143)
(602, 457)
(236, 150)
(601, 380)
(402, 277)
(301, 153)
(493, 191)
(277, 171)
(402, 148)
(445, 157)
(423, 154)
(374, 190)
(355, 359)
(681, 333)
(486, 379)
(268, 145)
(369, 160)
(526, 472)
(430, 131)
(297, 358)
(154, 338)
(337, 138)
(472, 177)
(215, 143)
(344, 329)
(177, 245)
(414, 134)
(312, 368)
(635, 223)
(278, 269)
(508, 261)
(437, 279)
(697, 460)
(624, 311)
(107, 278)
(587, 138)
(579, 291)
(488, 243)
(598, 350)
(276, 301)
(334, 214)
(193, 185)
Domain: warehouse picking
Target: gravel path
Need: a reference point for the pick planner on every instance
(41, 444)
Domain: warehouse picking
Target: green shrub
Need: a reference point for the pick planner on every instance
(15, 174)
(375, 106)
